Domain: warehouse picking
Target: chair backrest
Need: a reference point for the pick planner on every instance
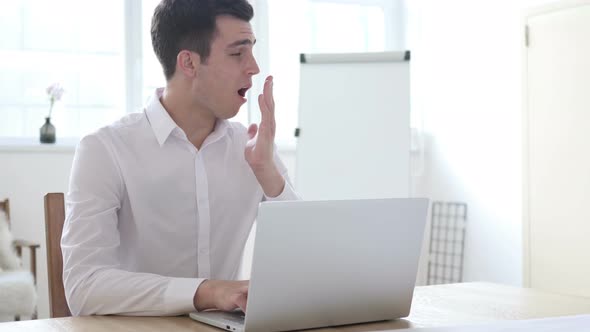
(54, 222)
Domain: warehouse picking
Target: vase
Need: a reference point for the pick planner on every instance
(47, 132)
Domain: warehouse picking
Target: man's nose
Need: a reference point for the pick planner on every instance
(253, 68)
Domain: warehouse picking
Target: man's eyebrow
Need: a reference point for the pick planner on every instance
(241, 42)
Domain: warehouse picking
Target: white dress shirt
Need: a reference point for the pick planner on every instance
(149, 217)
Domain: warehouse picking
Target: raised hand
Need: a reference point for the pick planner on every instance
(259, 149)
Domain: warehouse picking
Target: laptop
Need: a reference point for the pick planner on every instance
(328, 263)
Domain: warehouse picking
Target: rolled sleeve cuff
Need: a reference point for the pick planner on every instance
(288, 194)
(179, 295)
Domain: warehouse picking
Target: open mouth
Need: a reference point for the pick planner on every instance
(242, 92)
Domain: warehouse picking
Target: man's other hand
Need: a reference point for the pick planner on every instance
(222, 295)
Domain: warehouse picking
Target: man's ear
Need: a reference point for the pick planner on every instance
(188, 62)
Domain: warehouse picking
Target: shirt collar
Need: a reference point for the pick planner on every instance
(163, 125)
(161, 122)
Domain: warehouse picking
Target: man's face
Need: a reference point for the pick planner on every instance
(223, 80)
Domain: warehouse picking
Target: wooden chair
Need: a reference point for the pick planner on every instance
(19, 244)
(54, 222)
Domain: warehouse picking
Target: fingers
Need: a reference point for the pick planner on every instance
(270, 102)
(264, 112)
(267, 108)
(242, 301)
(266, 120)
(240, 298)
(268, 93)
(252, 130)
(244, 290)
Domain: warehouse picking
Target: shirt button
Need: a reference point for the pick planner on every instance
(203, 251)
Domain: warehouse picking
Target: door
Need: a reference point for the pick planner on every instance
(557, 149)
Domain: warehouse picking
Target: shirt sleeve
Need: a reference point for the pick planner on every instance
(94, 282)
(288, 193)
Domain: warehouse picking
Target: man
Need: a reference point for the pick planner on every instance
(161, 203)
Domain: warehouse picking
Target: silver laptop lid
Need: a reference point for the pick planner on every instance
(324, 263)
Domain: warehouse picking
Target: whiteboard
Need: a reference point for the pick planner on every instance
(354, 126)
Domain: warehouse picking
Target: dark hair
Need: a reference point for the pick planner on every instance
(190, 25)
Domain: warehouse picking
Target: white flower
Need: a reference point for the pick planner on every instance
(55, 91)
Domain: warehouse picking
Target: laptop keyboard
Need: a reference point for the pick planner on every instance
(231, 317)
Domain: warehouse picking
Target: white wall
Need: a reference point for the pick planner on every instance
(466, 81)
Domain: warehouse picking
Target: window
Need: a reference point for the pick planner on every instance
(101, 53)
(66, 41)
